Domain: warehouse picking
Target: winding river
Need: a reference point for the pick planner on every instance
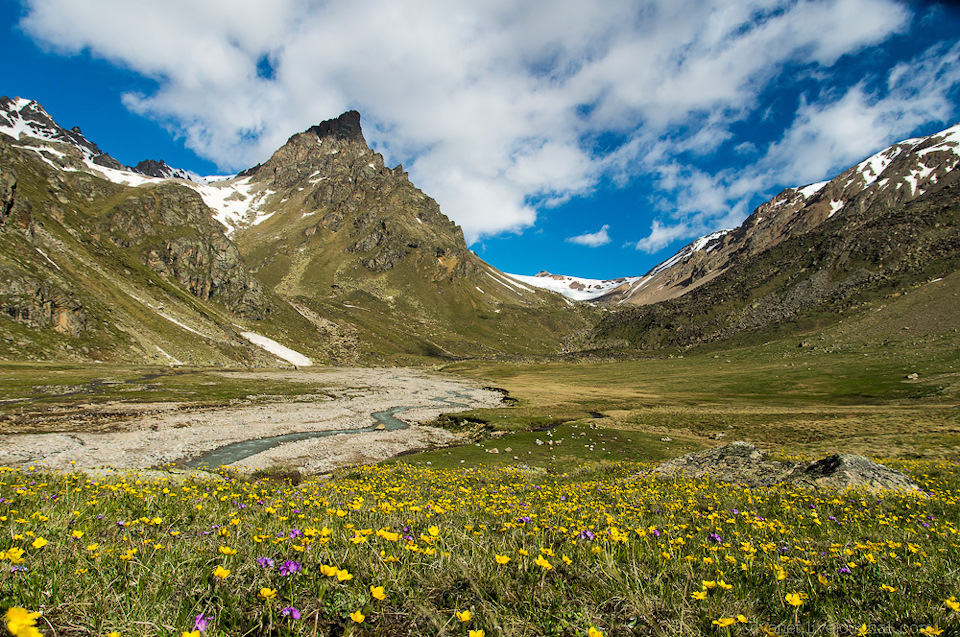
(237, 451)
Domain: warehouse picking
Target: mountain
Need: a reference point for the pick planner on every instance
(322, 253)
(888, 223)
(575, 288)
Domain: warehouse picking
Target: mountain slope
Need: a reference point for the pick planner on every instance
(339, 258)
(889, 222)
(354, 241)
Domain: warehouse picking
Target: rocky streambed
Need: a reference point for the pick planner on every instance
(316, 435)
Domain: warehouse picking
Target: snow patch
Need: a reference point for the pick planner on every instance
(291, 356)
(173, 361)
(808, 191)
(44, 255)
(186, 327)
(835, 207)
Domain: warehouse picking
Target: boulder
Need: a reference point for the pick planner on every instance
(742, 463)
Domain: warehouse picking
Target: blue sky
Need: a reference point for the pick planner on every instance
(592, 139)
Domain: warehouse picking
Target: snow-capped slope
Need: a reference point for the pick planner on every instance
(575, 288)
(236, 202)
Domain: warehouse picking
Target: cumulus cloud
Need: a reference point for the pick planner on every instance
(494, 107)
(592, 239)
(828, 134)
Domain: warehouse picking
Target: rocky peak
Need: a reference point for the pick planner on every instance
(22, 117)
(346, 127)
(159, 169)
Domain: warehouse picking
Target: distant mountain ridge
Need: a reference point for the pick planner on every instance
(894, 176)
(892, 220)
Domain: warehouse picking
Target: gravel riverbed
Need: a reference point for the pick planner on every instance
(349, 397)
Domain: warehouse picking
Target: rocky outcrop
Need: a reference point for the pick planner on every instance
(41, 304)
(844, 470)
(742, 463)
(173, 234)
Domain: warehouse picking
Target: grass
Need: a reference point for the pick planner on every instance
(53, 397)
(604, 548)
(841, 393)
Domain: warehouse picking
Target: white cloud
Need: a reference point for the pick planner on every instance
(492, 106)
(826, 137)
(593, 239)
(661, 236)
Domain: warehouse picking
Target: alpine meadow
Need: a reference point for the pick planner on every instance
(297, 397)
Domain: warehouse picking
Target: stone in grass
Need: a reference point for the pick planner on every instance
(738, 462)
(742, 463)
(844, 470)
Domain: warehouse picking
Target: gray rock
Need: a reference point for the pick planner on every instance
(742, 463)
(844, 470)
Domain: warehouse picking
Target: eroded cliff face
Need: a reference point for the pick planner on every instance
(171, 231)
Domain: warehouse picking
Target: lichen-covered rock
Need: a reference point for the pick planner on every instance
(738, 462)
(843, 470)
(742, 463)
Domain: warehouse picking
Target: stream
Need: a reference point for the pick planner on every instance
(237, 451)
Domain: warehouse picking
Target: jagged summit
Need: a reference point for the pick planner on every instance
(344, 127)
(160, 169)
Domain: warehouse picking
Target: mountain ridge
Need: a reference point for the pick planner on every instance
(322, 247)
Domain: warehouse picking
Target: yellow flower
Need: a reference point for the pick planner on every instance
(267, 594)
(221, 573)
(523, 552)
(39, 543)
(723, 622)
(344, 575)
(357, 616)
(226, 550)
(476, 633)
(377, 592)
(793, 599)
(191, 633)
(742, 619)
(931, 630)
(593, 632)
(329, 571)
(699, 595)
(724, 585)
(952, 603)
(543, 563)
(566, 560)
(114, 633)
(862, 630)
(77, 535)
(22, 623)
(823, 580)
(434, 531)
(501, 559)
(464, 616)
(889, 589)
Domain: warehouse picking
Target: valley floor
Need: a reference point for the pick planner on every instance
(173, 432)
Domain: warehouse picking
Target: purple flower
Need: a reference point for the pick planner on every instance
(265, 562)
(295, 533)
(201, 622)
(714, 537)
(843, 570)
(586, 534)
(289, 568)
(290, 611)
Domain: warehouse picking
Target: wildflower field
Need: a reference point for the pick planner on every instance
(402, 549)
